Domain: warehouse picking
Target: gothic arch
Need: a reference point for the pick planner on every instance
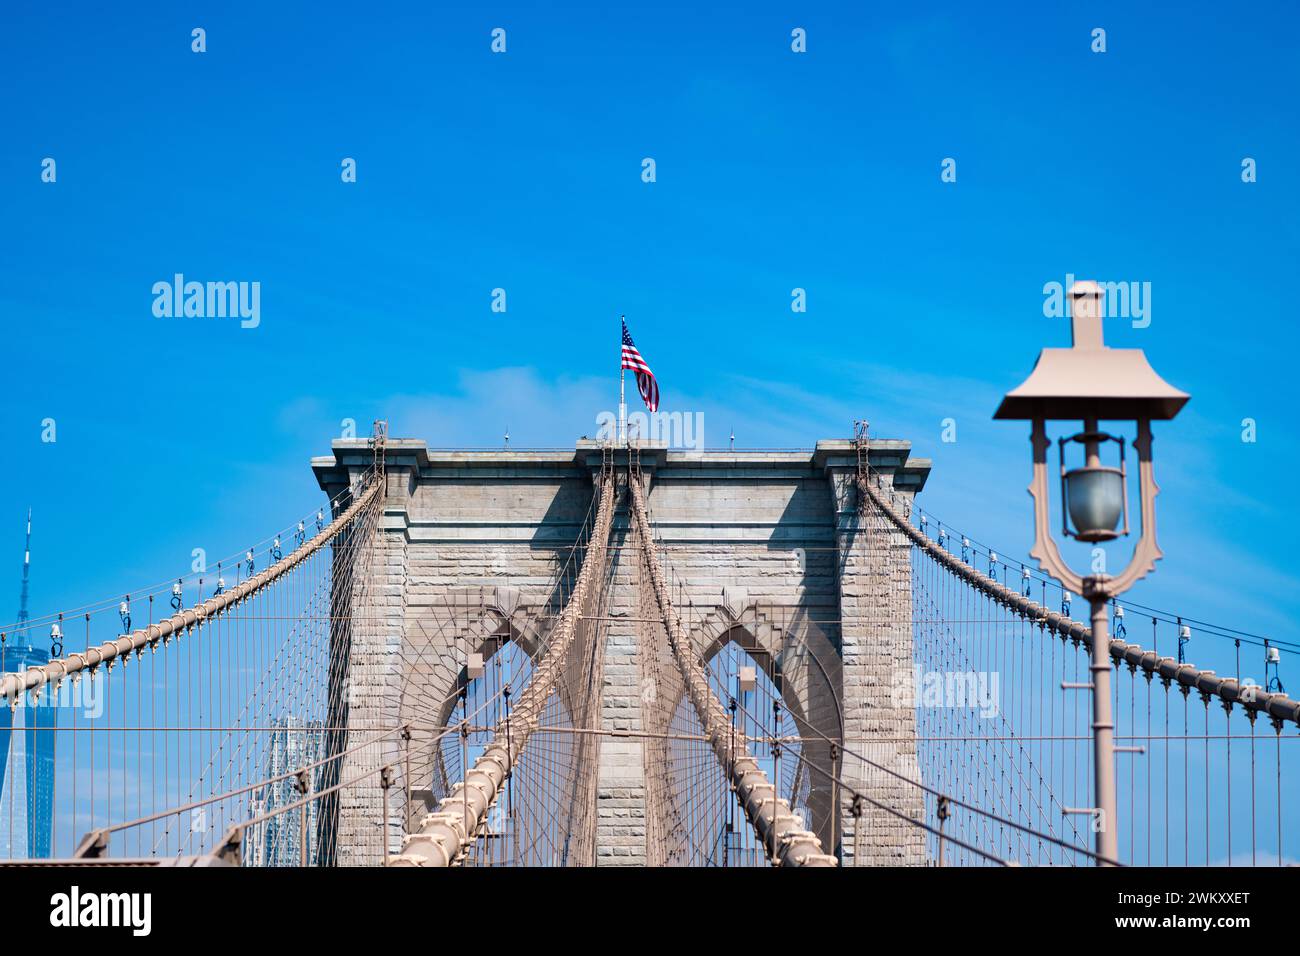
(806, 667)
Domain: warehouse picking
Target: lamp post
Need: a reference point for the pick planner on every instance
(1091, 383)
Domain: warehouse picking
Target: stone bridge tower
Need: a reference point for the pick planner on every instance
(772, 555)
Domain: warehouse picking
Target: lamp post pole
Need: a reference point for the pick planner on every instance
(1103, 728)
(1103, 720)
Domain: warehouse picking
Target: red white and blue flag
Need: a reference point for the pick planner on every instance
(645, 379)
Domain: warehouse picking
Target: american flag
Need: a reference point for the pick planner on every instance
(645, 379)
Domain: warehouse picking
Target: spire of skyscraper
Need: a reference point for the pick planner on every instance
(27, 748)
(27, 564)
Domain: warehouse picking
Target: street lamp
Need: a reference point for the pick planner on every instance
(1091, 383)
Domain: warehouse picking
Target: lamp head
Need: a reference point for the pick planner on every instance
(1090, 382)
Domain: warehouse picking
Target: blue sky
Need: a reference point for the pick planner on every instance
(523, 171)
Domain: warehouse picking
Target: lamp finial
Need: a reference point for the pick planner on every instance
(1085, 314)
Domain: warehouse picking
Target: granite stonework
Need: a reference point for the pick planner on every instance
(775, 556)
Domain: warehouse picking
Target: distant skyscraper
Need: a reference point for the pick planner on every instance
(294, 744)
(26, 759)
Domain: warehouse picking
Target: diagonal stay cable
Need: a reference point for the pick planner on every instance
(445, 834)
(786, 842)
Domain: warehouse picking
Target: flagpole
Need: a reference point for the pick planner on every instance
(622, 376)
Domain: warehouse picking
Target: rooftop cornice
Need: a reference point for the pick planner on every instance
(889, 455)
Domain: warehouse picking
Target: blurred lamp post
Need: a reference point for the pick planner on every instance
(1091, 383)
